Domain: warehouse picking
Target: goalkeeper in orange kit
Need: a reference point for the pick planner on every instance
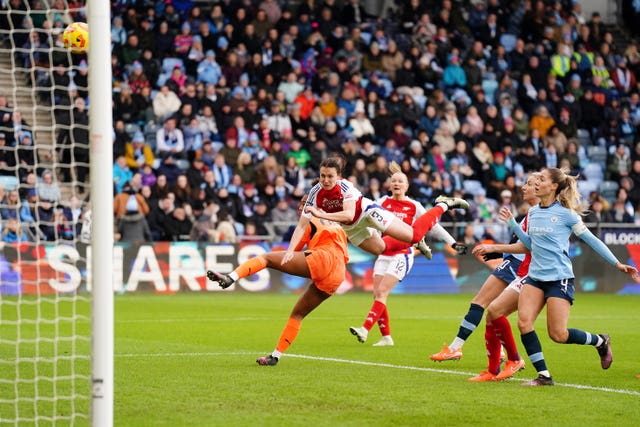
(324, 261)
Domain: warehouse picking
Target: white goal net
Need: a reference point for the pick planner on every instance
(45, 327)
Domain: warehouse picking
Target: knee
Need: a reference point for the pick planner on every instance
(492, 313)
(525, 325)
(559, 336)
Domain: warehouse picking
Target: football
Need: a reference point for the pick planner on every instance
(76, 37)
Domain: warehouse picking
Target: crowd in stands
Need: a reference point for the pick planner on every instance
(223, 110)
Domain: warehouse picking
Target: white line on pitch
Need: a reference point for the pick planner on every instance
(376, 364)
(278, 317)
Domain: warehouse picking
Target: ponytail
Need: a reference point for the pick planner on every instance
(567, 193)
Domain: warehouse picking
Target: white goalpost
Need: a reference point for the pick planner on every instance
(101, 166)
(56, 283)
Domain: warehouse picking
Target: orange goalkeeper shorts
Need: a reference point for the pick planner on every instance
(327, 269)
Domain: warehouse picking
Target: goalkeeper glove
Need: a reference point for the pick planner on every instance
(460, 248)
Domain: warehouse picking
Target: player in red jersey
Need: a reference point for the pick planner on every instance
(498, 330)
(393, 265)
(336, 199)
(324, 261)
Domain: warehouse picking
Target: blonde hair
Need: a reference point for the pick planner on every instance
(567, 193)
(394, 167)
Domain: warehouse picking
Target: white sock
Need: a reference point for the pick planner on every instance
(443, 206)
(545, 373)
(233, 275)
(456, 344)
(277, 354)
(600, 341)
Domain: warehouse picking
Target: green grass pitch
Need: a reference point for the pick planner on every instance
(189, 360)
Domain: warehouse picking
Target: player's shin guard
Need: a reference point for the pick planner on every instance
(533, 347)
(492, 343)
(374, 314)
(250, 266)
(423, 224)
(289, 334)
(503, 331)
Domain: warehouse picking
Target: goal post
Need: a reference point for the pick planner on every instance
(56, 284)
(101, 173)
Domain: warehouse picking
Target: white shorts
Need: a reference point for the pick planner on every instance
(373, 217)
(517, 284)
(397, 266)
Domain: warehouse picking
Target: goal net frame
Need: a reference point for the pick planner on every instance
(54, 368)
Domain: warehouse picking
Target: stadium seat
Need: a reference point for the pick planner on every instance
(593, 172)
(584, 138)
(472, 187)
(9, 182)
(131, 129)
(168, 64)
(508, 41)
(609, 190)
(597, 154)
(587, 187)
(182, 164)
(489, 87)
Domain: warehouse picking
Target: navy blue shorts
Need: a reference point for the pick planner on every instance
(508, 270)
(558, 288)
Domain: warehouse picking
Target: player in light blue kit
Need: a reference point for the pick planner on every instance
(550, 278)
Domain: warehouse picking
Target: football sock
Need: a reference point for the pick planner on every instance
(383, 323)
(576, 336)
(249, 267)
(289, 334)
(503, 331)
(534, 351)
(467, 326)
(492, 343)
(423, 224)
(391, 244)
(374, 313)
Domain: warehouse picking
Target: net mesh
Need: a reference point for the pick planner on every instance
(44, 301)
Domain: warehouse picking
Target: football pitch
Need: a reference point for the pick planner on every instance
(189, 360)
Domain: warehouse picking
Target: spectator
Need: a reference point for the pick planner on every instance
(286, 216)
(182, 191)
(47, 189)
(170, 140)
(178, 225)
(392, 60)
(159, 215)
(619, 213)
(138, 154)
(132, 226)
(12, 232)
(128, 195)
(165, 103)
(121, 174)
(619, 164)
(541, 121)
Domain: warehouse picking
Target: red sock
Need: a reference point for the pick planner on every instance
(426, 222)
(503, 331)
(391, 244)
(492, 343)
(289, 333)
(383, 323)
(376, 310)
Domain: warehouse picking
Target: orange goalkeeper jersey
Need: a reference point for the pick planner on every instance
(327, 235)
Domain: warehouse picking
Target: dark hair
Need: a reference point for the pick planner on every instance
(335, 161)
